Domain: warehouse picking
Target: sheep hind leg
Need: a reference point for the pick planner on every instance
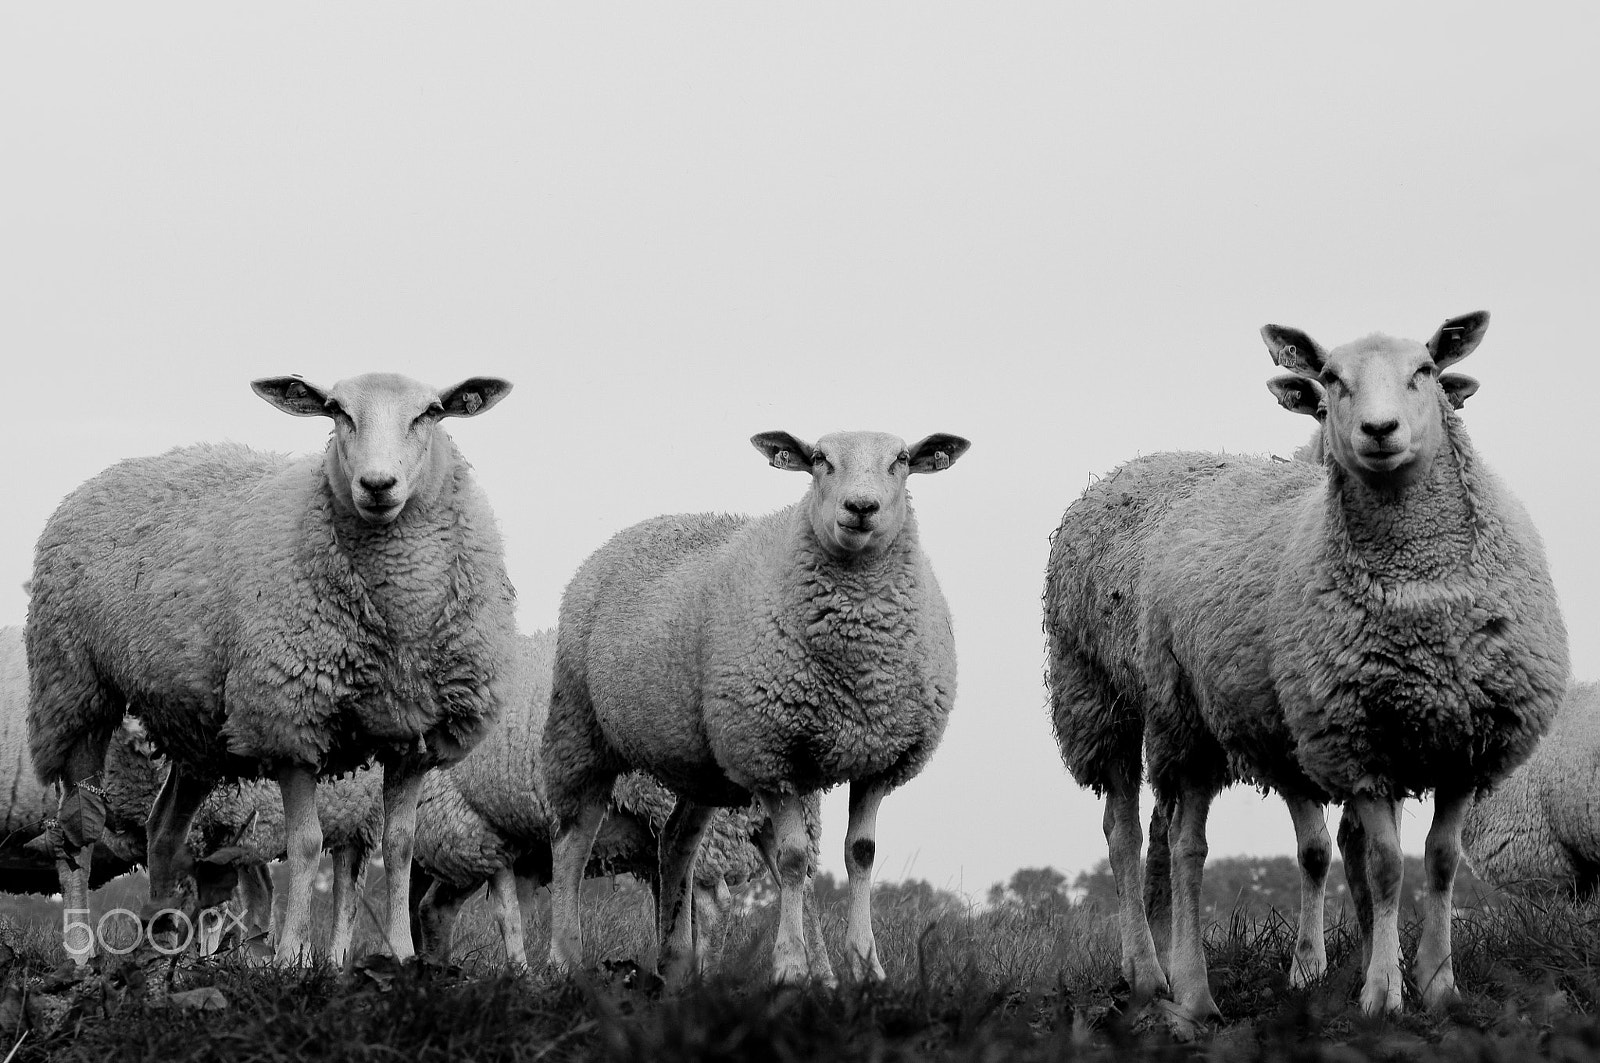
(680, 841)
(1191, 986)
(1158, 882)
(174, 885)
(1140, 964)
(349, 875)
(437, 915)
(303, 834)
(1381, 991)
(80, 828)
(570, 843)
(1435, 970)
(508, 913)
(1315, 854)
(1352, 838)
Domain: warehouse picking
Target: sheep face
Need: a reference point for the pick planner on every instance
(1379, 397)
(383, 451)
(858, 501)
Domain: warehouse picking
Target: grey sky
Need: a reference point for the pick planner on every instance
(1052, 228)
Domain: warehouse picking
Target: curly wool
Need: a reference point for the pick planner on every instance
(728, 654)
(248, 817)
(251, 625)
(1538, 831)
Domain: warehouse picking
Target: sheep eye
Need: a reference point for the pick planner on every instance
(901, 458)
(820, 459)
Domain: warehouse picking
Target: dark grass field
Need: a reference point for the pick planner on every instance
(1008, 983)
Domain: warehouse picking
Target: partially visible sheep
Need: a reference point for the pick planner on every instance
(267, 615)
(1538, 831)
(130, 782)
(486, 819)
(1372, 629)
(774, 657)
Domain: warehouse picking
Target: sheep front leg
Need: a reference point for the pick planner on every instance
(1191, 984)
(1140, 965)
(791, 846)
(1435, 970)
(680, 841)
(569, 854)
(402, 786)
(860, 850)
(303, 833)
(1315, 851)
(1377, 815)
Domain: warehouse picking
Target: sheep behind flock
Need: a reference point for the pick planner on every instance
(1538, 831)
(277, 616)
(1364, 631)
(773, 656)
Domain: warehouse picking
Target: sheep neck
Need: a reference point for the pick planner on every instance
(1425, 532)
(846, 603)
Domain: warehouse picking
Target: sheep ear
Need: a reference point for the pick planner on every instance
(1458, 337)
(1458, 388)
(1298, 394)
(292, 394)
(784, 451)
(473, 396)
(1294, 350)
(937, 452)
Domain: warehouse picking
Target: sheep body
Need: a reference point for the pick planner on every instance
(1535, 832)
(770, 656)
(268, 615)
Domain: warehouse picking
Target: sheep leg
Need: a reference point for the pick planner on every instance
(569, 855)
(1140, 965)
(1353, 848)
(1381, 992)
(1315, 853)
(817, 961)
(436, 917)
(1191, 986)
(1158, 880)
(508, 913)
(303, 835)
(860, 850)
(85, 760)
(349, 874)
(402, 786)
(173, 885)
(1435, 970)
(680, 841)
(792, 863)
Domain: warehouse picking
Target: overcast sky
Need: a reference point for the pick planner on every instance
(1052, 228)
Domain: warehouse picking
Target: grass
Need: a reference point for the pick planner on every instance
(980, 985)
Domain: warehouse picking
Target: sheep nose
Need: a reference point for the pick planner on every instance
(379, 484)
(861, 507)
(1378, 431)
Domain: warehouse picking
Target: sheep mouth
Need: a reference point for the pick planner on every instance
(379, 513)
(863, 527)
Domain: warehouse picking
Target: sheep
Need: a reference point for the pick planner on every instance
(486, 819)
(1535, 832)
(274, 616)
(27, 864)
(774, 657)
(1366, 630)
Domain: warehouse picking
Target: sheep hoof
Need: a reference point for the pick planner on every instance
(1380, 997)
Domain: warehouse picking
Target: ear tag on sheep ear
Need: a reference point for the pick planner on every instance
(783, 460)
(941, 460)
(296, 390)
(472, 401)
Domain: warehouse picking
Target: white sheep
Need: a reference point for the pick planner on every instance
(1538, 831)
(773, 656)
(1371, 629)
(268, 615)
(486, 820)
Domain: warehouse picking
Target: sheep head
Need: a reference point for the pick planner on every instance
(1378, 398)
(858, 500)
(383, 451)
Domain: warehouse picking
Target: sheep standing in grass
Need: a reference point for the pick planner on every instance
(486, 820)
(1363, 631)
(1538, 831)
(773, 656)
(267, 615)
